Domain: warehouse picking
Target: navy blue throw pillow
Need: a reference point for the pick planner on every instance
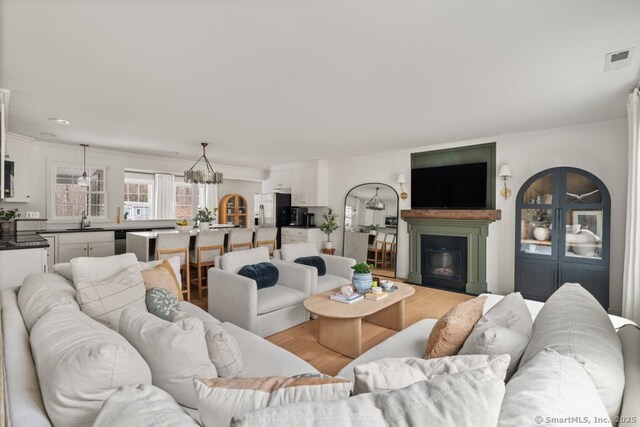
(265, 274)
(314, 261)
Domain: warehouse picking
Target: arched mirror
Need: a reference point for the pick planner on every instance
(371, 226)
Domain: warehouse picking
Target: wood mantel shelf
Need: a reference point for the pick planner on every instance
(459, 214)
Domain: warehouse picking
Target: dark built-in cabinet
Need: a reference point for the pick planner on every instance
(562, 234)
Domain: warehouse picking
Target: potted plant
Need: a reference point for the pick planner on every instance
(6, 217)
(204, 216)
(328, 226)
(362, 276)
(541, 221)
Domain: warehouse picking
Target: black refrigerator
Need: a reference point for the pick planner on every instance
(272, 210)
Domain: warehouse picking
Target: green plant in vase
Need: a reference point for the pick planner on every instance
(204, 216)
(362, 278)
(328, 226)
(540, 219)
(6, 217)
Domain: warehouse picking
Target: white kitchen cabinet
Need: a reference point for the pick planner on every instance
(51, 250)
(17, 264)
(301, 235)
(299, 187)
(280, 178)
(92, 244)
(19, 152)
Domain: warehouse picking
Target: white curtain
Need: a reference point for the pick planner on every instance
(164, 195)
(631, 283)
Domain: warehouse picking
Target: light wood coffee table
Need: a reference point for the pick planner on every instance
(340, 324)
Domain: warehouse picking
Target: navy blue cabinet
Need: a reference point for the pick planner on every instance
(562, 234)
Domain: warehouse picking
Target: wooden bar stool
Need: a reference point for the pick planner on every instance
(170, 244)
(389, 250)
(240, 238)
(266, 237)
(375, 253)
(209, 244)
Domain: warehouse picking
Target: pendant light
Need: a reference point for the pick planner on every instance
(376, 203)
(206, 176)
(84, 180)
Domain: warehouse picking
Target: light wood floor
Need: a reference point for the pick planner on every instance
(302, 340)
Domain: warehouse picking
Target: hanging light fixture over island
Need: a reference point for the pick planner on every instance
(203, 176)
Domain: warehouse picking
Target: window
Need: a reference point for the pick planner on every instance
(71, 199)
(184, 201)
(138, 199)
(348, 217)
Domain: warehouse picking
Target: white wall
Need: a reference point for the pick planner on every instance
(43, 154)
(600, 148)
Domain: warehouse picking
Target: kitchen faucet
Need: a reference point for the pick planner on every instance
(84, 222)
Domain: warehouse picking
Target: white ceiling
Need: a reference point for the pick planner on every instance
(271, 82)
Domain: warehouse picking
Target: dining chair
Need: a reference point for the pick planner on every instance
(266, 237)
(375, 253)
(171, 244)
(240, 238)
(209, 245)
(389, 250)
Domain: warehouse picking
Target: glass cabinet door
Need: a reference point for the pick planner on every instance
(584, 218)
(537, 217)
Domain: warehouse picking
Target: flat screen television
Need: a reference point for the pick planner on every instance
(450, 187)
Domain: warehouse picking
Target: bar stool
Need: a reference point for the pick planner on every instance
(389, 250)
(240, 238)
(169, 244)
(209, 244)
(375, 252)
(266, 237)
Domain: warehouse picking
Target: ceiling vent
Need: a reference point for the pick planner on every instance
(619, 59)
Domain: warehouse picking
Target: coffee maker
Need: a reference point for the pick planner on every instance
(297, 216)
(309, 220)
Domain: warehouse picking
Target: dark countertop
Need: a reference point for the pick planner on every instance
(298, 226)
(95, 229)
(22, 240)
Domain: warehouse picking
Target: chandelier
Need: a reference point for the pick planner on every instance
(376, 203)
(207, 176)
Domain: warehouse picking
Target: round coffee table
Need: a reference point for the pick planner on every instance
(340, 324)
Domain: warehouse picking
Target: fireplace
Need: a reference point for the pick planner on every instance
(444, 261)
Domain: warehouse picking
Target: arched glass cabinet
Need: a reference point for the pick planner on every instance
(562, 234)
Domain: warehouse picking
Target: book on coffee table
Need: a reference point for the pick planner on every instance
(351, 298)
(375, 297)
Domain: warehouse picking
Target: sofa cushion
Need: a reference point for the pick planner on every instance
(262, 358)
(80, 363)
(64, 269)
(313, 261)
(143, 405)
(176, 352)
(573, 323)
(277, 297)
(470, 398)
(162, 276)
(397, 373)
(90, 269)
(224, 351)
(41, 293)
(329, 282)
(220, 399)
(105, 298)
(162, 303)
(550, 386)
(452, 329)
(505, 329)
(234, 261)
(195, 311)
(290, 252)
(265, 274)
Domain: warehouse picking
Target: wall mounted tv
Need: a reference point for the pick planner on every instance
(449, 187)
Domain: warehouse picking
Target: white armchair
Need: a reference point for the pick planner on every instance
(237, 299)
(339, 272)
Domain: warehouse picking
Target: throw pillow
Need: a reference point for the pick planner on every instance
(80, 363)
(551, 386)
(105, 300)
(163, 276)
(176, 352)
(573, 323)
(452, 329)
(470, 398)
(163, 303)
(41, 293)
(504, 329)
(142, 406)
(313, 261)
(224, 351)
(396, 373)
(264, 273)
(220, 399)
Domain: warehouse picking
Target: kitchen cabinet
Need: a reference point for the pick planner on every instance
(234, 210)
(51, 250)
(301, 235)
(280, 179)
(19, 152)
(562, 234)
(309, 185)
(17, 264)
(87, 244)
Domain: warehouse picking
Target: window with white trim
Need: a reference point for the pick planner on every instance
(138, 198)
(185, 200)
(70, 200)
(348, 217)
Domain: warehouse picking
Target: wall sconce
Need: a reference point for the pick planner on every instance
(402, 180)
(505, 174)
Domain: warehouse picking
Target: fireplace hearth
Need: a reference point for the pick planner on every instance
(444, 261)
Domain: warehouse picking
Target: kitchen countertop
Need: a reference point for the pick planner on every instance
(22, 240)
(298, 226)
